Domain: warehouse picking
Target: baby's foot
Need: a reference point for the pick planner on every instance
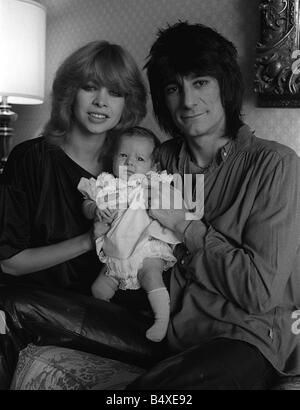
(158, 331)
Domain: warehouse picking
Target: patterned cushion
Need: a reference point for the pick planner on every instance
(58, 368)
(288, 383)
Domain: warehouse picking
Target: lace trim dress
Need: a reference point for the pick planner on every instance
(134, 235)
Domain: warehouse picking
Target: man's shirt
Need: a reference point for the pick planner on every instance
(238, 271)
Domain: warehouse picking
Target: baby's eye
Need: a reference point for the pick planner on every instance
(122, 155)
(140, 159)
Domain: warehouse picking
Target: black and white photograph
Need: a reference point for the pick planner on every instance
(149, 197)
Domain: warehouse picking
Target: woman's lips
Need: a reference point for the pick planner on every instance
(97, 116)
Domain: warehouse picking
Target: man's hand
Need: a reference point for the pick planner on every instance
(174, 219)
(167, 206)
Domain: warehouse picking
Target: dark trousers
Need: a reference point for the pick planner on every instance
(60, 318)
(221, 364)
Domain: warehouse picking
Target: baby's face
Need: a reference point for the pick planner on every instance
(135, 153)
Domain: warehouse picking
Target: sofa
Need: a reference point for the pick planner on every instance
(58, 368)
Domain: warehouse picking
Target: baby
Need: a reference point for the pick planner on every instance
(136, 249)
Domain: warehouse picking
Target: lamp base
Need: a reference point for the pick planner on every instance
(7, 117)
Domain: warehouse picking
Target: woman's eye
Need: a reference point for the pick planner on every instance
(115, 93)
(89, 87)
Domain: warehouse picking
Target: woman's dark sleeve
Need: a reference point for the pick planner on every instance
(17, 186)
(254, 275)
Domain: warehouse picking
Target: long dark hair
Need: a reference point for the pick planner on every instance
(185, 48)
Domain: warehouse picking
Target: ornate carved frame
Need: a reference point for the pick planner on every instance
(277, 79)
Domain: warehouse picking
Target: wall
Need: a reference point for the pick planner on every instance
(133, 24)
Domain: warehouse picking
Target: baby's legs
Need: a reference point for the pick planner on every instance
(104, 286)
(150, 278)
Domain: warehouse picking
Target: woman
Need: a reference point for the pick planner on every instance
(46, 244)
(91, 99)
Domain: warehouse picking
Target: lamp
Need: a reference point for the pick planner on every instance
(22, 67)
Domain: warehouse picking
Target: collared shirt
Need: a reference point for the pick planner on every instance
(238, 271)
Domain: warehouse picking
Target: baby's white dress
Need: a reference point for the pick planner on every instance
(134, 235)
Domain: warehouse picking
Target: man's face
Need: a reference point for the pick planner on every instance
(194, 103)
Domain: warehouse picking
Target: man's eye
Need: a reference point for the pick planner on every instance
(171, 89)
(200, 83)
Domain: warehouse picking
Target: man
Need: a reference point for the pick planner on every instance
(236, 284)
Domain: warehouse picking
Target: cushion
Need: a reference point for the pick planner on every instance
(288, 383)
(58, 368)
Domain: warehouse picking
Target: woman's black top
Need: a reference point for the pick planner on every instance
(39, 206)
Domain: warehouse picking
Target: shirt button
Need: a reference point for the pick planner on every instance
(225, 154)
(182, 261)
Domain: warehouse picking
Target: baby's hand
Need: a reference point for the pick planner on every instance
(107, 215)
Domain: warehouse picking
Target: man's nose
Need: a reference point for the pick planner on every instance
(101, 97)
(188, 97)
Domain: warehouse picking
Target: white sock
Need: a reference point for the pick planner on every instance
(160, 302)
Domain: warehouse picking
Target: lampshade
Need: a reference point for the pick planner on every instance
(22, 51)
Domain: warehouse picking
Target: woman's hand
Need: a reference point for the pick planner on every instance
(100, 228)
(106, 215)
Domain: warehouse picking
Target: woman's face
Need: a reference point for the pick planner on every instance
(97, 109)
